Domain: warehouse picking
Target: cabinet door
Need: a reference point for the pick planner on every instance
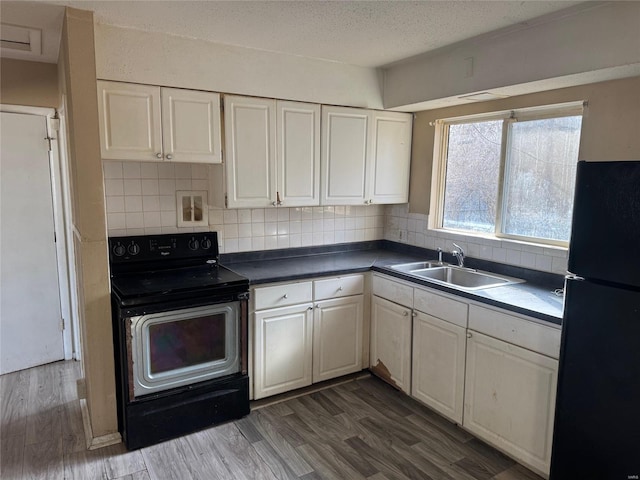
(282, 349)
(390, 158)
(437, 374)
(191, 126)
(250, 152)
(345, 155)
(298, 154)
(391, 343)
(130, 122)
(337, 337)
(510, 399)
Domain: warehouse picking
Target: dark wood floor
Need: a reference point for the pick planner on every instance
(355, 430)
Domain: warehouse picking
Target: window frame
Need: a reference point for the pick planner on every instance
(508, 117)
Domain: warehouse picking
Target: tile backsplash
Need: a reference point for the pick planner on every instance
(141, 200)
(412, 229)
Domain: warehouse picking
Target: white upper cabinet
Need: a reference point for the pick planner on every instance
(365, 156)
(390, 157)
(130, 121)
(147, 123)
(298, 154)
(250, 132)
(345, 155)
(273, 153)
(191, 126)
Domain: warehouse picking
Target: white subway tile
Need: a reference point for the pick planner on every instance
(112, 169)
(133, 203)
(295, 213)
(307, 213)
(257, 243)
(499, 255)
(136, 231)
(283, 214)
(295, 240)
(328, 224)
(134, 220)
(152, 230)
(115, 204)
(199, 171)
(244, 244)
(113, 186)
(167, 186)
(361, 223)
(170, 230)
(513, 257)
(244, 215)
(183, 170)
(166, 170)
(244, 230)
(350, 223)
(216, 216)
(283, 228)
(117, 232)
(168, 219)
(183, 184)
(270, 228)
(116, 221)
(230, 245)
(271, 242)
(151, 203)
(148, 170)
(559, 265)
(198, 184)
(349, 236)
(152, 219)
(167, 203)
(318, 238)
(328, 238)
(230, 230)
(230, 216)
(131, 169)
(257, 229)
(295, 227)
(528, 259)
(257, 215)
(544, 263)
(306, 226)
(270, 215)
(306, 239)
(339, 236)
(318, 226)
(318, 213)
(283, 241)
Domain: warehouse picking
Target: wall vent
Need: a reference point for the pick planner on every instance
(22, 39)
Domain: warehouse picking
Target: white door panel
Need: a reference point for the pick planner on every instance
(30, 321)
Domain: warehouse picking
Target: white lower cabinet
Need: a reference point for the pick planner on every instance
(510, 399)
(304, 343)
(283, 343)
(337, 337)
(438, 365)
(390, 352)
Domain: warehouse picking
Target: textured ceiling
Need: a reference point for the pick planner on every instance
(365, 33)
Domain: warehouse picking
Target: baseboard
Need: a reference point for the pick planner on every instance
(94, 443)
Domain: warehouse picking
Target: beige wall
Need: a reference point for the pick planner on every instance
(34, 84)
(78, 85)
(610, 127)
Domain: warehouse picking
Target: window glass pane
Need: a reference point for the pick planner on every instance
(540, 177)
(473, 168)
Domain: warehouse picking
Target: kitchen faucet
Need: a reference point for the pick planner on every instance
(459, 254)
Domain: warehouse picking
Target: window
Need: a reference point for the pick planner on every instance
(510, 174)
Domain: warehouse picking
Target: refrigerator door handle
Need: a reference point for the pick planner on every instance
(572, 276)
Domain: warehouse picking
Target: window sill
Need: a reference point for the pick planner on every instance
(492, 240)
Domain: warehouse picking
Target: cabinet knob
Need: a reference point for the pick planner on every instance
(405, 314)
(469, 335)
(310, 308)
(274, 203)
(414, 314)
(158, 155)
(339, 289)
(285, 296)
(279, 202)
(169, 156)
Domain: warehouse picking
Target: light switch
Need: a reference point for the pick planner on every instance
(192, 208)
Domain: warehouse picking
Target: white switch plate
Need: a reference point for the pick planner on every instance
(192, 208)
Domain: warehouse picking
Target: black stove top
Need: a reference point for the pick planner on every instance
(155, 268)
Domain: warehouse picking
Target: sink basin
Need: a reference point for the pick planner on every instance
(455, 277)
(408, 267)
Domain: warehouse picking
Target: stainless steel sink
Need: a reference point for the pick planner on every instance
(408, 267)
(455, 277)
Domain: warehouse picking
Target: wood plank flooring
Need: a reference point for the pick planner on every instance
(361, 429)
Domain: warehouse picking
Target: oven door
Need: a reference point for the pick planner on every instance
(182, 347)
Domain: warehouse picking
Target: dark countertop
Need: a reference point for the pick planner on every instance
(534, 298)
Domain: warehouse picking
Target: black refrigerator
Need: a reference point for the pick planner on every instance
(597, 419)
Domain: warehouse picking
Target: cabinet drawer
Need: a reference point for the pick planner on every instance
(396, 292)
(338, 287)
(518, 331)
(282, 295)
(441, 307)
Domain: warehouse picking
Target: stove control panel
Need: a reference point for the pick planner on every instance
(171, 246)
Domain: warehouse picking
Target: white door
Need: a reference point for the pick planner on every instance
(391, 342)
(345, 155)
(437, 373)
(510, 397)
(283, 342)
(390, 158)
(298, 158)
(130, 122)
(191, 126)
(337, 337)
(30, 320)
(250, 151)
